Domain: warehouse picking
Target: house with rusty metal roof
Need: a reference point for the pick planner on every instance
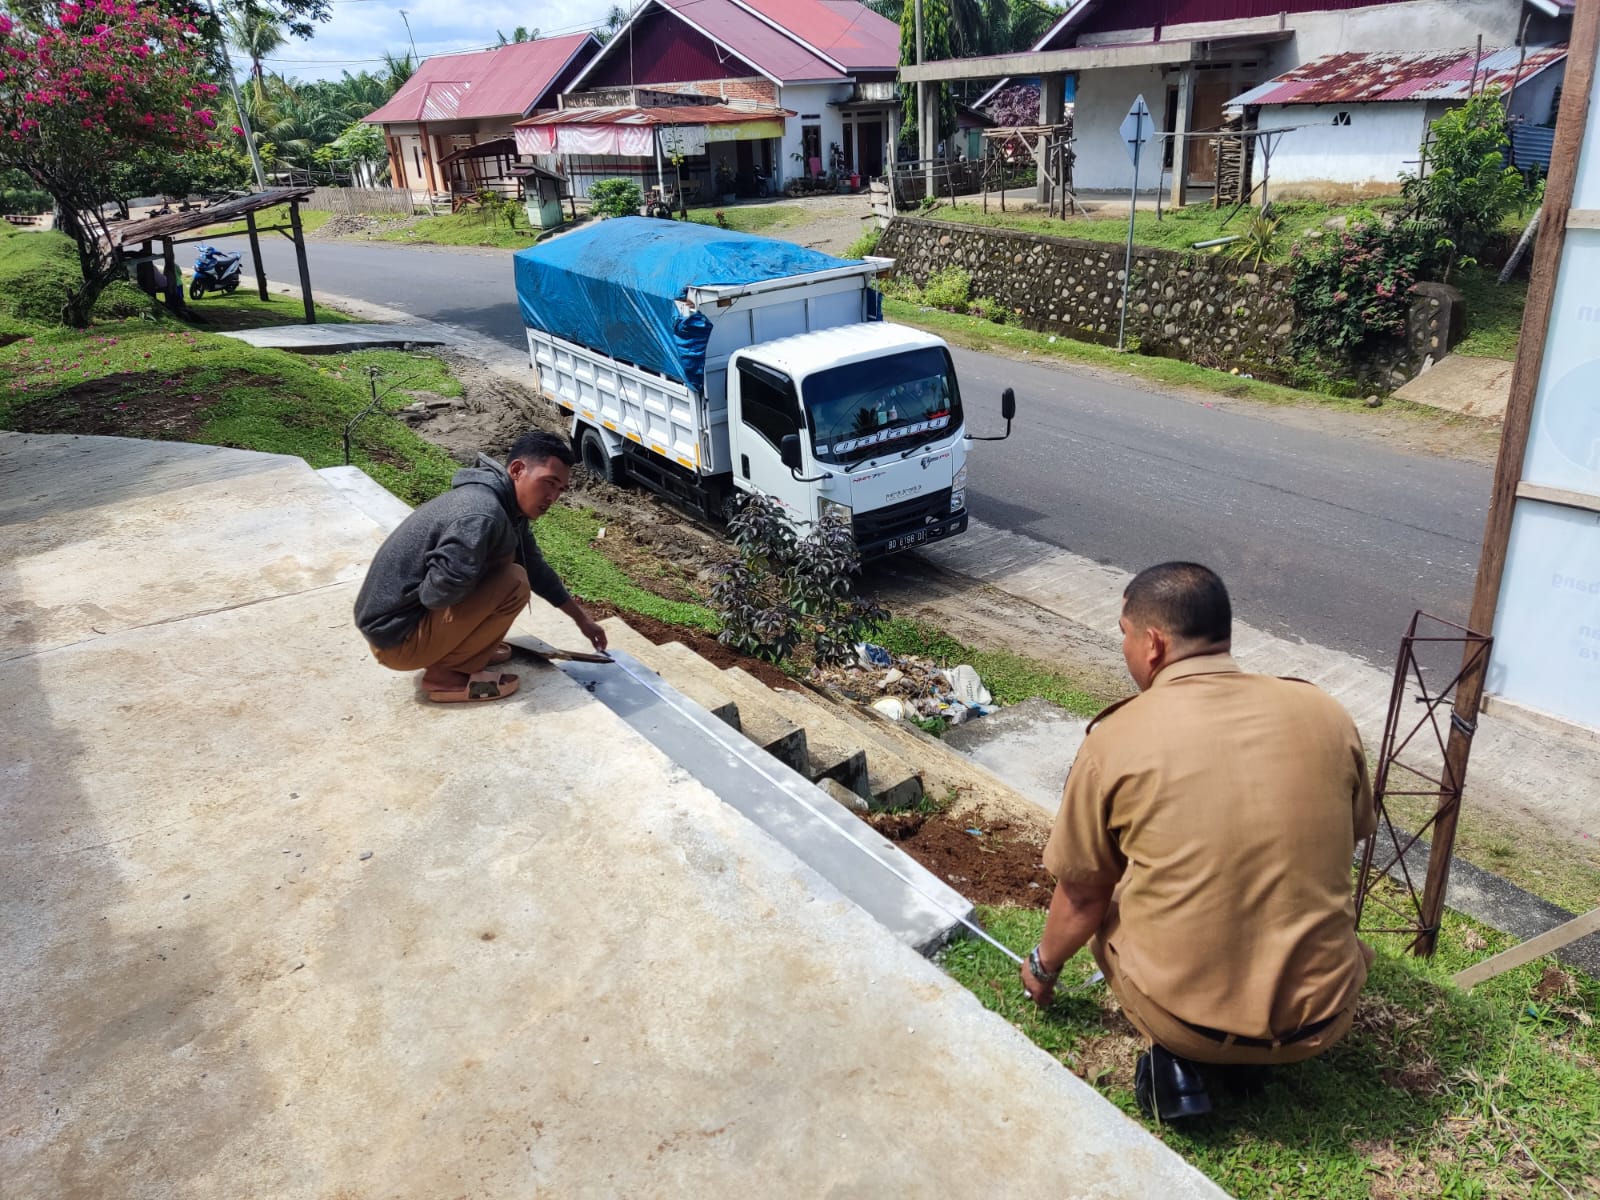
(451, 122)
(782, 89)
(1355, 123)
(1190, 58)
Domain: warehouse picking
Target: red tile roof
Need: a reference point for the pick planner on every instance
(1417, 75)
(508, 81)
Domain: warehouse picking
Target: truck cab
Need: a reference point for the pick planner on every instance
(865, 419)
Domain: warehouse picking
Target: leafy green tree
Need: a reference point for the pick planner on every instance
(255, 32)
(616, 18)
(936, 45)
(1469, 188)
(398, 69)
(362, 145)
(518, 35)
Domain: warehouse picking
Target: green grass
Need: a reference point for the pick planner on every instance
(470, 228)
(1436, 1093)
(311, 220)
(1177, 230)
(754, 218)
(1010, 678)
(1494, 313)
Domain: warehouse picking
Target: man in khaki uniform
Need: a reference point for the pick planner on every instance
(1203, 850)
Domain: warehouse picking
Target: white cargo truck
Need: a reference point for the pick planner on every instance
(701, 363)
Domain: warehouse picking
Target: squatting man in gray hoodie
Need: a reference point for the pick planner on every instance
(447, 584)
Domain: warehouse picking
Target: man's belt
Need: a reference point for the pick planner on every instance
(1288, 1039)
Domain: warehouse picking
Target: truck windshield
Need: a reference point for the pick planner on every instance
(882, 405)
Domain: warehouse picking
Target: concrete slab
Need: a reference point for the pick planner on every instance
(1478, 387)
(1028, 745)
(275, 928)
(339, 339)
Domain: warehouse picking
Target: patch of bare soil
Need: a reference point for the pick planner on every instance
(491, 413)
(136, 404)
(997, 865)
(348, 225)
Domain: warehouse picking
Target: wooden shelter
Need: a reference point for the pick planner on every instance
(133, 242)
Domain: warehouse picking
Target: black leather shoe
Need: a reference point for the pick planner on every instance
(1169, 1088)
(1245, 1083)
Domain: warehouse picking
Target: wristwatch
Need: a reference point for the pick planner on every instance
(1036, 966)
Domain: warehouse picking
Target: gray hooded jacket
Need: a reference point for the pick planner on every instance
(440, 553)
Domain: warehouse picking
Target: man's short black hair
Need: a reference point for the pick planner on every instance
(1184, 599)
(541, 446)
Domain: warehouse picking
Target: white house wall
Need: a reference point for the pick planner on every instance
(1326, 161)
(805, 99)
(1102, 162)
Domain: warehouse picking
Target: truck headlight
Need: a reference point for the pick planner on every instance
(842, 511)
(958, 490)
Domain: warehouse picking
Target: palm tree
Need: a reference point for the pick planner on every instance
(256, 32)
(518, 35)
(396, 70)
(616, 18)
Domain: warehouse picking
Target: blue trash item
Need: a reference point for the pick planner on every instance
(869, 655)
(620, 286)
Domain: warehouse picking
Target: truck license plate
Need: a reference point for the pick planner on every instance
(905, 541)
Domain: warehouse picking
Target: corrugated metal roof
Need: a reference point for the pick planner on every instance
(1386, 76)
(681, 114)
(841, 31)
(125, 233)
(506, 81)
(780, 55)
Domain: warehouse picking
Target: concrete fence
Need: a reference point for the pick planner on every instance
(349, 201)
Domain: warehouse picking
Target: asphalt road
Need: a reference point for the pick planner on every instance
(1331, 539)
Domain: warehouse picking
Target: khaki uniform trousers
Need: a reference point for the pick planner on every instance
(461, 637)
(1172, 1033)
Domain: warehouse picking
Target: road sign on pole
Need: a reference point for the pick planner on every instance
(1135, 133)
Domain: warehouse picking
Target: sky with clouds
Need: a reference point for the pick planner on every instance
(361, 30)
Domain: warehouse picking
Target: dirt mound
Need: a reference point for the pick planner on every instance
(998, 865)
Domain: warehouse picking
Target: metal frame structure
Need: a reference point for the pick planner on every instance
(1422, 919)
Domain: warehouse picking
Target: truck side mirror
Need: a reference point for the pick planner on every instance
(789, 451)
(1008, 405)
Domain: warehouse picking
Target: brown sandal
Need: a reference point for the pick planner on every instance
(484, 685)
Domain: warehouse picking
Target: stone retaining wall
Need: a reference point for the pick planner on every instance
(1191, 306)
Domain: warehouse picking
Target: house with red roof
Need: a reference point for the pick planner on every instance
(781, 88)
(451, 122)
(1190, 58)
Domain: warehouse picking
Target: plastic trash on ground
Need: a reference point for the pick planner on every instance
(870, 656)
(891, 708)
(966, 687)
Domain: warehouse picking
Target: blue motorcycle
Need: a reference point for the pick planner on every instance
(214, 271)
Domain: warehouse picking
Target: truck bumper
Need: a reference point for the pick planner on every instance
(922, 535)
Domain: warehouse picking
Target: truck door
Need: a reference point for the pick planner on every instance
(764, 407)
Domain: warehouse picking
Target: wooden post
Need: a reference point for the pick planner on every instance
(145, 272)
(1514, 441)
(300, 261)
(1551, 939)
(1052, 97)
(255, 253)
(1180, 140)
(174, 291)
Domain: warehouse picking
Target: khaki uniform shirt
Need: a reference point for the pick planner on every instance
(1226, 808)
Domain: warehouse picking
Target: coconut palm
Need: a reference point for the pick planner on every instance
(256, 32)
(396, 70)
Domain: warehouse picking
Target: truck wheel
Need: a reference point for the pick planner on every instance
(596, 460)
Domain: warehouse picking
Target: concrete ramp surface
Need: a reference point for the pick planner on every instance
(273, 928)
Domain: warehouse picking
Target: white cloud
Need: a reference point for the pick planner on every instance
(362, 30)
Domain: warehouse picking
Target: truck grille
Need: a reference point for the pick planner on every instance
(909, 515)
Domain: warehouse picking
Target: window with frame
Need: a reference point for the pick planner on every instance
(767, 403)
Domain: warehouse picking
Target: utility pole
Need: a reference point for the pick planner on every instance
(238, 104)
(414, 55)
(926, 138)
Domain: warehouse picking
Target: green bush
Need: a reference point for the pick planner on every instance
(38, 271)
(121, 298)
(1352, 293)
(615, 198)
(948, 289)
(865, 244)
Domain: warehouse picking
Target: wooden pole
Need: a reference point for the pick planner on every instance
(300, 261)
(1514, 440)
(174, 291)
(255, 253)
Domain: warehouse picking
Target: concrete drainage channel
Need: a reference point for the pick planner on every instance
(799, 768)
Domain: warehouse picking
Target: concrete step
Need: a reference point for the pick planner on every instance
(759, 720)
(827, 757)
(706, 693)
(947, 775)
(886, 781)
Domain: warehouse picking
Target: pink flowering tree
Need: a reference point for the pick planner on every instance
(90, 85)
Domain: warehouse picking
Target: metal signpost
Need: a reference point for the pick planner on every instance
(1135, 133)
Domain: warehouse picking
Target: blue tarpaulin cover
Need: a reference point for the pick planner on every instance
(615, 285)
